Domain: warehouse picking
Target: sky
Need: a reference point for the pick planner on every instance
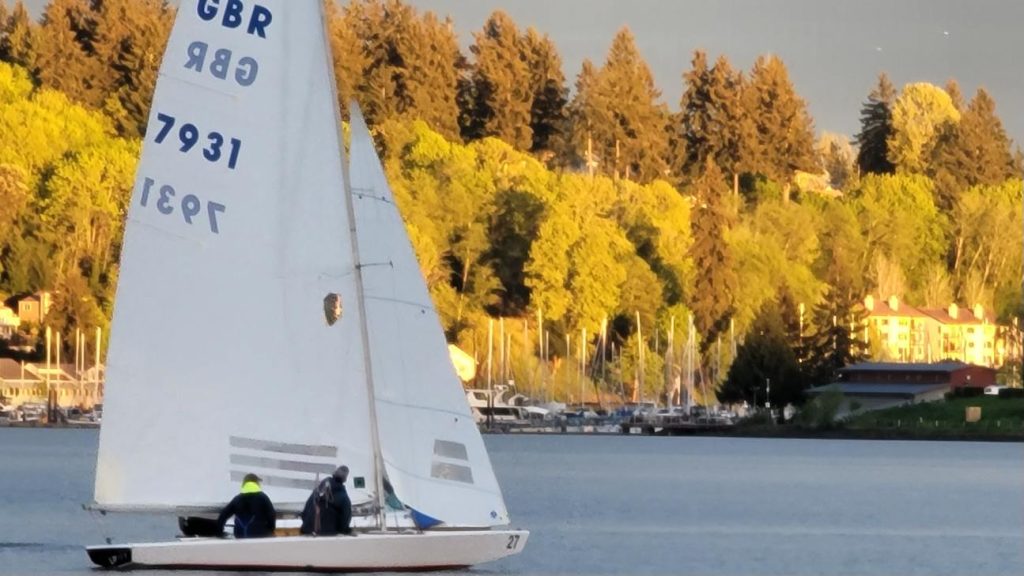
(834, 49)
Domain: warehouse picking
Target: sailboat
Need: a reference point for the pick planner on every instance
(271, 317)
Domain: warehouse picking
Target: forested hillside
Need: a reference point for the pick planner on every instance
(532, 202)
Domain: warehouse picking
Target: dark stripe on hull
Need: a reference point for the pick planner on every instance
(111, 558)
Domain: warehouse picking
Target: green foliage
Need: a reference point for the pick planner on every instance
(900, 222)
(918, 114)
(15, 84)
(820, 413)
(767, 354)
(497, 232)
(656, 220)
(983, 251)
(64, 186)
(776, 251)
(37, 131)
(645, 381)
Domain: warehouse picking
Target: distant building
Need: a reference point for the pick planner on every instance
(876, 385)
(22, 382)
(34, 308)
(9, 323)
(909, 334)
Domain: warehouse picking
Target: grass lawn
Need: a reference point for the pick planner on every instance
(999, 416)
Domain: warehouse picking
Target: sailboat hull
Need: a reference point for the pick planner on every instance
(368, 552)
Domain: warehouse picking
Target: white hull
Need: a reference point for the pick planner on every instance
(367, 552)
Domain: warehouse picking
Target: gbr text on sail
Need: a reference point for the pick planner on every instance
(252, 19)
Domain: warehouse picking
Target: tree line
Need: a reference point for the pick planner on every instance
(522, 197)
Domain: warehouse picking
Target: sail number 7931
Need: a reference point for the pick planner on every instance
(189, 205)
(189, 136)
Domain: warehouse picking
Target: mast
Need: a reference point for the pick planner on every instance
(364, 333)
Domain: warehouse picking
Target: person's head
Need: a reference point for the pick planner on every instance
(341, 473)
(251, 483)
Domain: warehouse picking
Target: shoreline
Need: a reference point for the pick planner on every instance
(767, 433)
(801, 434)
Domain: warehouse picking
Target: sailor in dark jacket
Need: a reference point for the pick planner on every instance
(328, 510)
(254, 513)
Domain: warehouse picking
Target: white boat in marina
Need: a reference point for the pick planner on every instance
(270, 302)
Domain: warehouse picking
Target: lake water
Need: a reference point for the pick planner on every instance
(635, 505)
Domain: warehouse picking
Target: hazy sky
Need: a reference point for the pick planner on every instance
(834, 49)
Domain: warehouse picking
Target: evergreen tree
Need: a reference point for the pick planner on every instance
(434, 76)
(715, 284)
(349, 60)
(973, 152)
(785, 131)
(838, 340)
(408, 65)
(695, 119)
(4, 15)
(130, 39)
(64, 51)
(876, 129)
(547, 90)
(955, 95)
(714, 121)
(17, 38)
(584, 114)
(837, 158)
(512, 231)
(503, 92)
(765, 355)
(634, 143)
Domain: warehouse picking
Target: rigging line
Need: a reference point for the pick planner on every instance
(370, 193)
(405, 302)
(423, 408)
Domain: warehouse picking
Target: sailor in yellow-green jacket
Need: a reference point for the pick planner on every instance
(253, 511)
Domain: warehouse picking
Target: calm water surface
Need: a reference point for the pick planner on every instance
(635, 505)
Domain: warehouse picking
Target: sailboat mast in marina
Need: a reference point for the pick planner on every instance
(271, 317)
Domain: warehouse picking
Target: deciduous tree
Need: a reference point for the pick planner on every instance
(918, 114)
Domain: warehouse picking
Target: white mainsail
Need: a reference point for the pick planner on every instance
(221, 359)
(433, 452)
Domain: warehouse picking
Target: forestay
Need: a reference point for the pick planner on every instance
(222, 360)
(433, 452)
